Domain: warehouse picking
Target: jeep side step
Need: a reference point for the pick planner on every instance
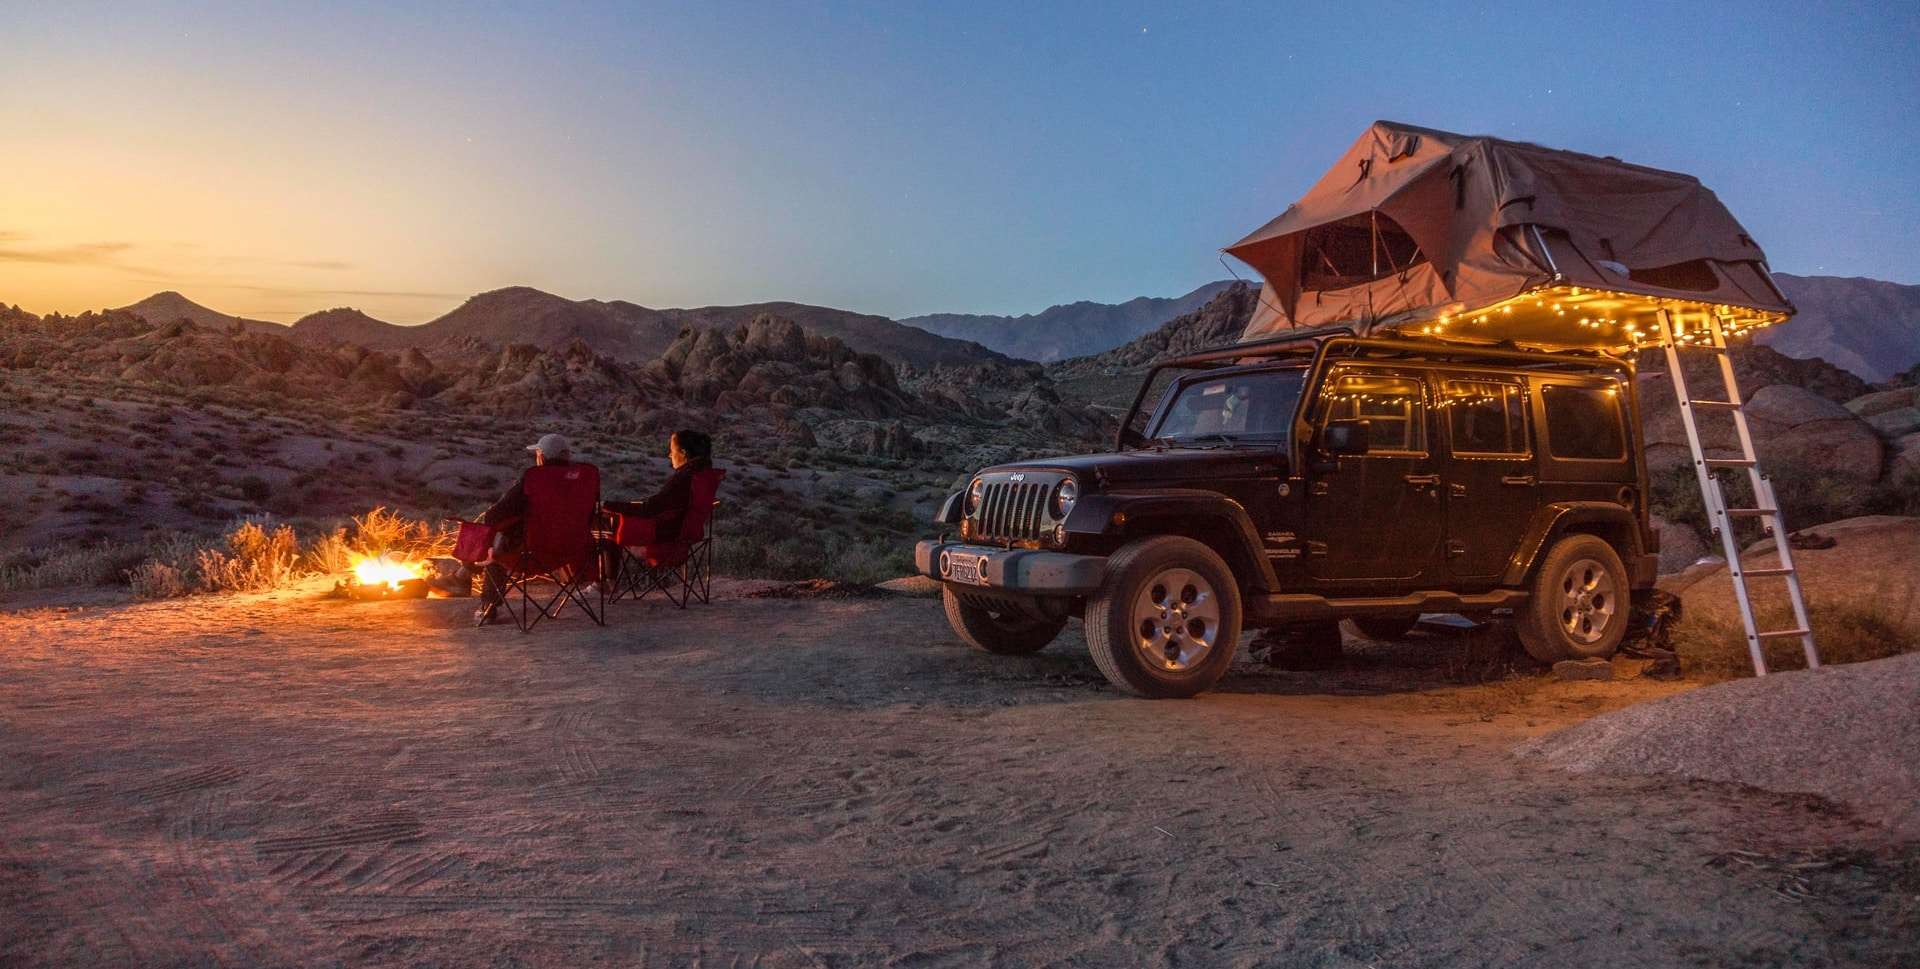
(1300, 607)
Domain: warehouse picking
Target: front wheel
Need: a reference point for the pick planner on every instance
(1579, 603)
(1166, 622)
(1008, 633)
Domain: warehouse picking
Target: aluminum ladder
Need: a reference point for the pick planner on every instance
(1719, 516)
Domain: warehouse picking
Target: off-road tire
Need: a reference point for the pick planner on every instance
(1386, 629)
(1557, 623)
(1114, 630)
(1008, 633)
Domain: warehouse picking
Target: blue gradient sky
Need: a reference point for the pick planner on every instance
(271, 160)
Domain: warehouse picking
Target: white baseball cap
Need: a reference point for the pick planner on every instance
(552, 445)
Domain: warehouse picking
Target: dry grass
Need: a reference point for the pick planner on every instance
(1716, 648)
(101, 563)
(254, 557)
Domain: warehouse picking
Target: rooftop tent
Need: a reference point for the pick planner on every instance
(1478, 238)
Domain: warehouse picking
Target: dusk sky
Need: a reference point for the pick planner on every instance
(893, 158)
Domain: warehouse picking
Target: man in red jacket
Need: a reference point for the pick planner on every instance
(506, 514)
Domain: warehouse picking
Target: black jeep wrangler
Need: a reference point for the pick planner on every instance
(1319, 477)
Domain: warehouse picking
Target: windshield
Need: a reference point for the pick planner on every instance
(1242, 408)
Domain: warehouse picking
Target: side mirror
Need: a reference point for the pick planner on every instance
(1345, 437)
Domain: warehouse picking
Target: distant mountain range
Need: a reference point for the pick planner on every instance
(1866, 326)
(1068, 329)
(618, 329)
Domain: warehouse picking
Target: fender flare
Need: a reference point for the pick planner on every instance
(1095, 514)
(1553, 520)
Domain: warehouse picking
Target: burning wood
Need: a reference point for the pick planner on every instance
(385, 576)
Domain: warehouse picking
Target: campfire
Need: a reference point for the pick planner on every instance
(386, 576)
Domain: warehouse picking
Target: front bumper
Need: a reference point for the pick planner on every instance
(1020, 570)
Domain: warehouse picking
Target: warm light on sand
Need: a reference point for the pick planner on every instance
(385, 569)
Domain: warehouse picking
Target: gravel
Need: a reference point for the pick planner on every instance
(1850, 734)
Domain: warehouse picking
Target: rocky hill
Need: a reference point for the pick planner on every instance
(1867, 326)
(1217, 323)
(863, 332)
(165, 307)
(344, 324)
(1068, 329)
(625, 331)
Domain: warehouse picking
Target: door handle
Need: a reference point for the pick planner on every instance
(1423, 479)
(1522, 480)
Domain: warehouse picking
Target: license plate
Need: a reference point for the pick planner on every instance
(967, 567)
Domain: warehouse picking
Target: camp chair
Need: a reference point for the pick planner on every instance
(680, 567)
(558, 546)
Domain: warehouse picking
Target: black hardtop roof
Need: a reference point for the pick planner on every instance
(1306, 342)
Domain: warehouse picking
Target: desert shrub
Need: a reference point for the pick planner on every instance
(90, 564)
(1850, 632)
(255, 559)
(157, 580)
(1808, 496)
(255, 488)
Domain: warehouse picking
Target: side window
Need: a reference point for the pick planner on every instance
(1392, 407)
(1485, 418)
(1583, 423)
(1151, 400)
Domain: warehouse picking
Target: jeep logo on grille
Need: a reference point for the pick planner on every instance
(1017, 476)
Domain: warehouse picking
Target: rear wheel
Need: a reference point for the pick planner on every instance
(1009, 632)
(1578, 607)
(1166, 622)
(1385, 628)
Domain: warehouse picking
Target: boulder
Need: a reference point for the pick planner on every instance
(1792, 406)
(1905, 459)
(1790, 426)
(1897, 422)
(1868, 405)
(1874, 562)
(1680, 545)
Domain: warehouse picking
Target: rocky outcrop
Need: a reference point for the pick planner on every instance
(1792, 425)
(772, 361)
(1218, 323)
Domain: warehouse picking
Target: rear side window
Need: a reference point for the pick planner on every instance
(1392, 407)
(1486, 418)
(1583, 423)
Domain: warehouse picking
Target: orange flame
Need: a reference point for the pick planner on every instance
(385, 569)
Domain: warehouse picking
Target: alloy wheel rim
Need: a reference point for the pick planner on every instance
(1588, 601)
(1176, 620)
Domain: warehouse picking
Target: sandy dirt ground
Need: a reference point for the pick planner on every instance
(278, 781)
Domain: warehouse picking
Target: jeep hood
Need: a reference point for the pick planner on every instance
(1158, 466)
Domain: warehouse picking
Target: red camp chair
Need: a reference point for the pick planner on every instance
(557, 545)
(681, 567)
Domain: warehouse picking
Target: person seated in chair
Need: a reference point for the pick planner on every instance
(691, 453)
(505, 515)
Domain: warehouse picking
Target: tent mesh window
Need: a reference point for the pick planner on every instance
(1694, 276)
(1356, 250)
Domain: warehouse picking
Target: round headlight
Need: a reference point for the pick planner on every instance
(1064, 496)
(973, 494)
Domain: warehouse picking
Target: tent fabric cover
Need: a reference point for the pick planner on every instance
(1492, 219)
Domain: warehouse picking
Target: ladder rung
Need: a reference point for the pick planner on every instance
(1782, 633)
(1751, 512)
(1763, 573)
(1730, 462)
(1698, 346)
(1713, 403)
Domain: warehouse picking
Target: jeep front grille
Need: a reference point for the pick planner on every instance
(1013, 511)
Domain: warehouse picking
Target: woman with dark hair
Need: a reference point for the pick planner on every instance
(691, 452)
